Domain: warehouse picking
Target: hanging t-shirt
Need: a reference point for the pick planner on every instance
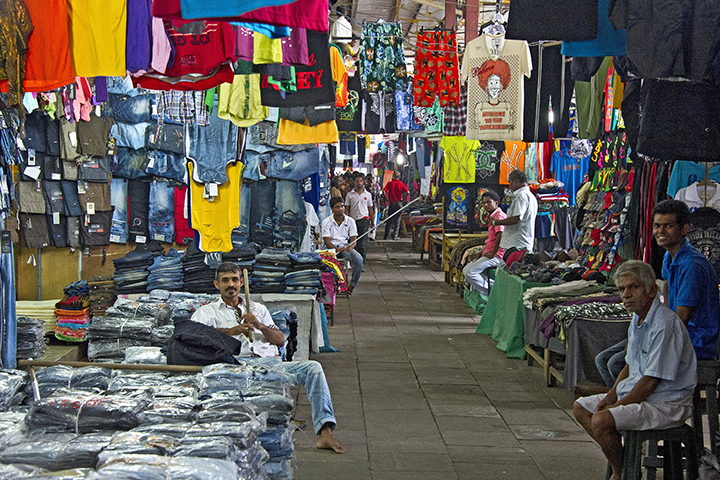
(513, 158)
(348, 142)
(570, 171)
(138, 46)
(459, 159)
(379, 110)
(266, 50)
(340, 76)
(224, 8)
(487, 162)
(568, 20)
(495, 68)
(200, 47)
(314, 81)
(697, 196)
(608, 43)
(685, 173)
(97, 37)
(215, 220)
(239, 102)
(349, 117)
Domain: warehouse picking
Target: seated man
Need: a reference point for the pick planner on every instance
(339, 233)
(229, 315)
(655, 388)
(491, 255)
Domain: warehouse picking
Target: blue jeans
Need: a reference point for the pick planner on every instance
(121, 85)
(118, 199)
(611, 361)
(127, 109)
(129, 135)
(252, 162)
(289, 213)
(166, 165)
(131, 163)
(310, 374)
(161, 212)
(243, 231)
(262, 195)
(72, 202)
(8, 319)
(212, 148)
(294, 166)
(356, 261)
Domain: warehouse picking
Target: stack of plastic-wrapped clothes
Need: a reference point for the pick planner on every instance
(229, 423)
(30, 338)
(131, 271)
(304, 274)
(268, 274)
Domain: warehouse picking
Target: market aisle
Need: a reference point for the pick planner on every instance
(419, 396)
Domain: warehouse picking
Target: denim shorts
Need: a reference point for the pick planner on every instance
(166, 164)
(131, 135)
(294, 166)
(131, 164)
(212, 148)
(128, 109)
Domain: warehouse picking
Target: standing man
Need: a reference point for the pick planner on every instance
(395, 192)
(376, 193)
(655, 389)
(691, 286)
(519, 225)
(231, 316)
(359, 205)
(339, 233)
(491, 255)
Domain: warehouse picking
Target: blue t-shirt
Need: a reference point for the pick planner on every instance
(570, 171)
(686, 173)
(692, 283)
(608, 43)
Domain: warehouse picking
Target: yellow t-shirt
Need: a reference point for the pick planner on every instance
(459, 160)
(215, 220)
(240, 102)
(266, 50)
(97, 37)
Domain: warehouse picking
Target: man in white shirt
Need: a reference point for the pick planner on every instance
(260, 337)
(359, 205)
(339, 233)
(520, 222)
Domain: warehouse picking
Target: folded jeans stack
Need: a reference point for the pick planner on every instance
(131, 272)
(198, 275)
(167, 272)
(268, 274)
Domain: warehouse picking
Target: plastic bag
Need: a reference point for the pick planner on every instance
(145, 356)
(154, 467)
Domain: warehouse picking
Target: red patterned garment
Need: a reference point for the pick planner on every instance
(436, 69)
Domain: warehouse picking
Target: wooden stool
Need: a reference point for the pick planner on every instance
(673, 452)
(707, 379)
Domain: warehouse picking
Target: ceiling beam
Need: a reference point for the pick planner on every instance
(435, 4)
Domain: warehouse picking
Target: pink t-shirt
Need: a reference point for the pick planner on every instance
(498, 214)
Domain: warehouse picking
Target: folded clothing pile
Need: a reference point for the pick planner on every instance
(30, 338)
(198, 275)
(12, 383)
(268, 274)
(242, 256)
(87, 379)
(73, 319)
(131, 271)
(304, 274)
(167, 272)
(102, 294)
(77, 289)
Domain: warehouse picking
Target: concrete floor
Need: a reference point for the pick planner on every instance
(418, 395)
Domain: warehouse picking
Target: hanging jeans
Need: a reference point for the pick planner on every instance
(119, 201)
(167, 165)
(9, 318)
(473, 273)
(240, 235)
(310, 374)
(294, 166)
(356, 262)
(289, 213)
(127, 109)
(262, 203)
(161, 212)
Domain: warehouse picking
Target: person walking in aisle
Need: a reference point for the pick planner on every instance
(231, 316)
(395, 192)
(339, 233)
(377, 196)
(519, 225)
(491, 255)
(359, 205)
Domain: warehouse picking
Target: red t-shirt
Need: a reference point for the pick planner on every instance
(396, 191)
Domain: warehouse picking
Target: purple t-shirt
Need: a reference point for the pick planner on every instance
(244, 44)
(294, 47)
(138, 46)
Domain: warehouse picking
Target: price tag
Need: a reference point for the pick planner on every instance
(140, 239)
(159, 237)
(72, 137)
(81, 188)
(32, 172)
(31, 156)
(56, 218)
(151, 162)
(115, 238)
(6, 241)
(90, 207)
(55, 176)
(212, 189)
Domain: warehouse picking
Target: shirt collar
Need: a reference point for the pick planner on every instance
(496, 211)
(650, 315)
(684, 248)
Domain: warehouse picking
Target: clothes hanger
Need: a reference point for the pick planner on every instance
(497, 27)
(705, 183)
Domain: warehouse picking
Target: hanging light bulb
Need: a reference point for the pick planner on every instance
(400, 158)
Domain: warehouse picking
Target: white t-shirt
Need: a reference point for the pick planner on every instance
(313, 226)
(358, 204)
(522, 234)
(339, 234)
(221, 315)
(500, 64)
(695, 196)
(341, 30)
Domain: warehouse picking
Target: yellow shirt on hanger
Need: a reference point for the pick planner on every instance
(215, 220)
(97, 37)
(240, 102)
(266, 50)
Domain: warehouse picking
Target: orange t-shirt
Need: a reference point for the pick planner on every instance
(340, 76)
(49, 65)
(513, 158)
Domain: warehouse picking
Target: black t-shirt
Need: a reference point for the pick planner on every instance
(349, 117)
(379, 106)
(315, 84)
(568, 20)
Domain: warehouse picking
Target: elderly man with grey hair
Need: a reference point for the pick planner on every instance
(655, 388)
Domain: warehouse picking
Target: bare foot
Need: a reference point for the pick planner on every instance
(328, 440)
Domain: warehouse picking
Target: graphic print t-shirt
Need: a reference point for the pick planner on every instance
(492, 65)
(349, 117)
(459, 162)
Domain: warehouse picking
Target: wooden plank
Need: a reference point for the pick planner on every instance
(112, 366)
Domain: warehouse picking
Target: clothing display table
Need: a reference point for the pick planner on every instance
(435, 250)
(504, 315)
(453, 276)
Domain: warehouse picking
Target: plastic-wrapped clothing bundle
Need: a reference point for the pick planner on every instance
(56, 451)
(11, 385)
(277, 406)
(84, 412)
(139, 443)
(243, 435)
(11, 424)
(279, 469)
(50, 379)
(161, 335)
(121, 328)
(278, 441)
(225, 408)
(169, 410)
(163, 384)
(145, 356)
(17, 472)
(234, 378)
(112, 350)
(154, 467)
(30, 338)
(124, 308)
